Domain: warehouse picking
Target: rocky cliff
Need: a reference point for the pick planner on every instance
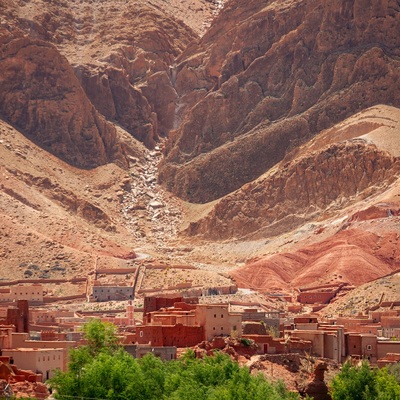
(300, 190)
(41, 96)
(122, 53)
(268, 76)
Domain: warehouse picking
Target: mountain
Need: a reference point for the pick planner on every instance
(269, 76)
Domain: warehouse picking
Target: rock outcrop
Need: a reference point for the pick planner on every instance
(300, 190)
(316, 388)
(122, 53)
(41, 96)
(268, 76)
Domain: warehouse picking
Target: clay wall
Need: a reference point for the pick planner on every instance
(42, 281)
(361, 345)
(119, 321)
(353, 324)
(299, 346)
(149, 334)
(43, 315)
(390, 358)
(157, 266)
(315, 337)
(166, 353)
(19, 316)
(372, 329)
(48, 335)
(377, 315)
(53, 299)
(369, 347)
(269, 319)
(173, 318)
(267, 344)
(305, 319)
(315, 297)
(295, 308)
(385, 347)
(116, 271)
(5, 337)
(390, 303)
(184, 306)
(390, 326)
(32, 293)
(178, 335)
(154, 303)
(319, 287)
(19, 339)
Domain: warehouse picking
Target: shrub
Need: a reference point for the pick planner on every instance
(363, 383)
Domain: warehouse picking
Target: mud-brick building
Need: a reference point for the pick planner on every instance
(361, 345)
(170, 335)
(188, 324)
(32, 293)
(390, 326)
(326, 343)
(218, 320)
(40, 361)
(19, 316)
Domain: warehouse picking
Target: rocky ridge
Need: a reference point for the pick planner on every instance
(301, 190)
(267, 77)
(42, 97)
(122, 52)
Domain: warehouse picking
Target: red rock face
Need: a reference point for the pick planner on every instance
(339, 259)
(271, 76)
(42, 97)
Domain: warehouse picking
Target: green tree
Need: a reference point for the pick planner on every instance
(100, 336)
(103, 370)
(394, 369)
(363, 383)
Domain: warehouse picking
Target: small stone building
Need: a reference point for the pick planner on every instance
(107, 293)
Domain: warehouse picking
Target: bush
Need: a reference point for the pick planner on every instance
(363, 383)
(102, 370)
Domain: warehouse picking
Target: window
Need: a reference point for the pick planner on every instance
(215, 315)
(222, 328)
(141, 334)
(369, 347)
(214, 328)
(222, 315)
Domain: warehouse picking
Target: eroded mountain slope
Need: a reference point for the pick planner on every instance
(122, 52)
(268, 76)
(52, 213)
(42, 97)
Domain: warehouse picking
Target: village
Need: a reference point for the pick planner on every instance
(37, 327)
